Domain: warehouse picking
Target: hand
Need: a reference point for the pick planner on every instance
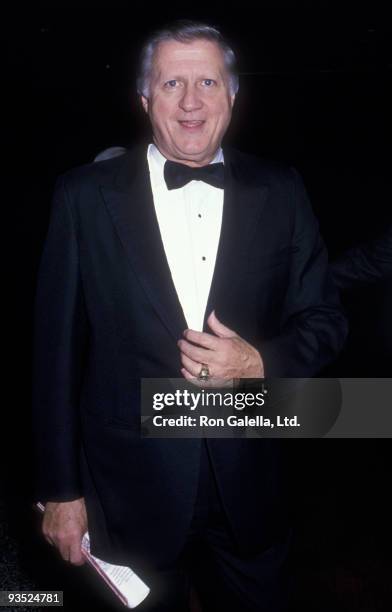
(64, 524)
(227, 355)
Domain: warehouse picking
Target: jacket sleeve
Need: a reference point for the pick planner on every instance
(59, 346)
(313, 327)
(367, 263)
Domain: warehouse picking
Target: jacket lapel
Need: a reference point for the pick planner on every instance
(244, 201)
(129, 201)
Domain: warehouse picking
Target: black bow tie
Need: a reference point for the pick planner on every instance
(177, 175)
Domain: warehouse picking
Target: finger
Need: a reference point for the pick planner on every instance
(207, 341)
(195, 380)
(218, 328)
(64, 550)
(188, 375)
(196, 353)
(211, 383)
(191, 378)
(75, 554)
(193, 367)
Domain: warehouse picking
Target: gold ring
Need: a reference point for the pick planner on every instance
(204, 373)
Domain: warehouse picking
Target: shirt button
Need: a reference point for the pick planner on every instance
(203, 258)
(199, 215)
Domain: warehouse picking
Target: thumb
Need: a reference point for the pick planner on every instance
(218, 328)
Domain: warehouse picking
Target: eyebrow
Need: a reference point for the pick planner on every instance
(213, 76)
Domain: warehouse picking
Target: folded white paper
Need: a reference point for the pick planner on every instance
(126, 585)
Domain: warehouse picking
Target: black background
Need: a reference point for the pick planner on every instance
(314, 92)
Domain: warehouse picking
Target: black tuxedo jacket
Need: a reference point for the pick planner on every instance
(107, 314)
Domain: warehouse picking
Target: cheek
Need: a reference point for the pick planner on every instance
(162, 112)
(220, 109)
(221, 117)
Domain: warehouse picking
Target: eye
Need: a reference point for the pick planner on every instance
(171, 84)
(208, 82)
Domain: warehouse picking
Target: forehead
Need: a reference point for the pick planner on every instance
(173, 55)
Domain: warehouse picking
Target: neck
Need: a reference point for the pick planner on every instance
(193, 163)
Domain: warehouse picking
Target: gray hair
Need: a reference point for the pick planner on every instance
(184, 31)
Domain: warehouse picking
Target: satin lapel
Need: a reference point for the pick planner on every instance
(130, 204)
(245, 197)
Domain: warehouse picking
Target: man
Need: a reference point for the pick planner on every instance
(189, 260)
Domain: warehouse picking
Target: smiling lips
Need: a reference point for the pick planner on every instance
(191, 125)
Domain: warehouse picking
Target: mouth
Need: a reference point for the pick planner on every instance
(192, 126)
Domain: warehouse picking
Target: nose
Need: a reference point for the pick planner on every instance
(191, 99)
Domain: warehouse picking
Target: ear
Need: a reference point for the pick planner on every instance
(144, 101)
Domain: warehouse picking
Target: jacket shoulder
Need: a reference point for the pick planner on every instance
(260, 169)
(93, 174)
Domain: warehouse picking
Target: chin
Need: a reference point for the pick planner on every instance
(192, 149)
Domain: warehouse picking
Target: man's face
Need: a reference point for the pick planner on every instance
(189, 102)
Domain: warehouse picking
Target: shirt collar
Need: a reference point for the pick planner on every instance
(156, 162)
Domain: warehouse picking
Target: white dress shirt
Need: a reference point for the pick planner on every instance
(190, 220)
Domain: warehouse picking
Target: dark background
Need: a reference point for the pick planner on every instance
(314, 92)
